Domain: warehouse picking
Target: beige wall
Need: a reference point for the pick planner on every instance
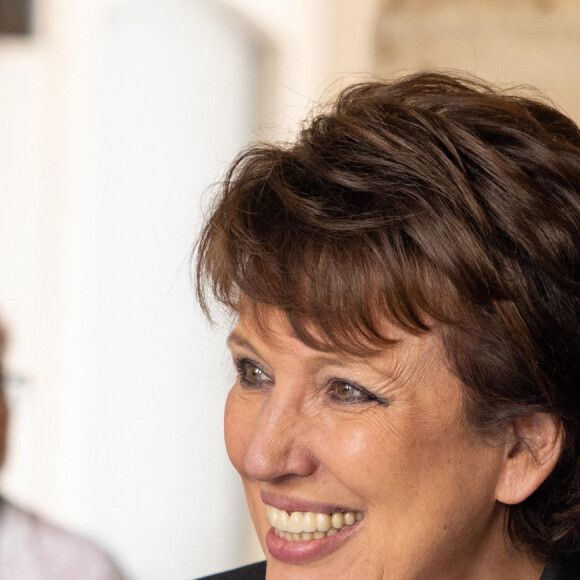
(534, 42)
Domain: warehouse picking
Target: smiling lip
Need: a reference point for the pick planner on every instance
(303, 552)
(297, 505)
(299, 552)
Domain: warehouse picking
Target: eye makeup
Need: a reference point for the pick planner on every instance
(348, 393)
(252, 375)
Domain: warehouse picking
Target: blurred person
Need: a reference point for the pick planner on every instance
(405, 284)
(32, 548)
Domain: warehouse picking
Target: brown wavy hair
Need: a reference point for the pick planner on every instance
(432, 202)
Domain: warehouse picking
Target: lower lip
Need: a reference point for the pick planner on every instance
(308, 550)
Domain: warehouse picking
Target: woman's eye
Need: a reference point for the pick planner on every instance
(250, 373)
(345, 392)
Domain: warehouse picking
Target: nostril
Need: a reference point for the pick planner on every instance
(270, 458)
(301, 462)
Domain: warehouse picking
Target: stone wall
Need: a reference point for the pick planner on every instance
(535, 42)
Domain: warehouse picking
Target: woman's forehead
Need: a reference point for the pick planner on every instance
(270, 328)
(271, 321)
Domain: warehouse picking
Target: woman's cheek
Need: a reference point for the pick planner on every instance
(364, 434)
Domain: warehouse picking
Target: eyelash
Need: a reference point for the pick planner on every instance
(243, 365)
(365, 396)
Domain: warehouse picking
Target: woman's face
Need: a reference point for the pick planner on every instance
(381, 441)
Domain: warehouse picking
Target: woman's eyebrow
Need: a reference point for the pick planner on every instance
(235, 338)
(315, 363)
(239, 340)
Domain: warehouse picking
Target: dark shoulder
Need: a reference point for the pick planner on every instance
(567, 569)
(252, 572)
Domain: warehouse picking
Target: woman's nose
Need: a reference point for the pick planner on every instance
(281, 441)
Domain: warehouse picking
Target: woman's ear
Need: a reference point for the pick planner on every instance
(535, 445)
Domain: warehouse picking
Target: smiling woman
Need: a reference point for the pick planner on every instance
(405, 283)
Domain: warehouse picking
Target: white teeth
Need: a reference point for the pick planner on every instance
(282, 520)
(272, 515)
(337, 520)
(295, 523)
(309, 522)
(300, 527)
(323, 522)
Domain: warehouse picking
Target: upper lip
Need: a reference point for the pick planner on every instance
(291, 504)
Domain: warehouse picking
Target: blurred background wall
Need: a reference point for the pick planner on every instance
(116, 117)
